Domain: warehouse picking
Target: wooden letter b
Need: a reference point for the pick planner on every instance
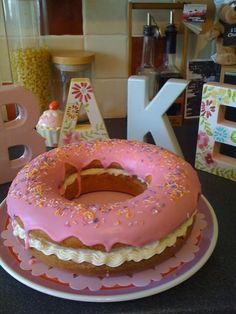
(19, 131)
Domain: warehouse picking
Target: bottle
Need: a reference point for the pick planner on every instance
(30, 59)
(147, 68)
(168, 69)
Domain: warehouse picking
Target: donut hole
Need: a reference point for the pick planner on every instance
(95, 178)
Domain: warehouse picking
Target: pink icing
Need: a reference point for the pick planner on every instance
(103, 197)
(51, 119)
(169, 200)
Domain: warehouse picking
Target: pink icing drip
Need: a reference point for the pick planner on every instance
(170, 198)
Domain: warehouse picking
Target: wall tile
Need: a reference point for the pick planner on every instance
(62, 17)
(179, 49)
(199, 47)
(65, 42)
(105, 17)
(111, 60)
(111, 96)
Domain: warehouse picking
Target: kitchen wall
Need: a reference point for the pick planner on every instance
(105, 26)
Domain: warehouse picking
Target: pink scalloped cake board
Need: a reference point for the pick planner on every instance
(163, 272)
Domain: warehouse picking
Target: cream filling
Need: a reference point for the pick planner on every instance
(97, 258)
(95, 171)
(98, 171)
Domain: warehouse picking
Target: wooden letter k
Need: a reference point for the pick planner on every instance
(145, 116)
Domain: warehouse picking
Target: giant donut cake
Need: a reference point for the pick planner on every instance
(108, 238)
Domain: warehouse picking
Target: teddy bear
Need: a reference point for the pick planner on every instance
(224, 32)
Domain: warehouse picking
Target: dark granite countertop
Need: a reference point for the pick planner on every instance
(210, 290)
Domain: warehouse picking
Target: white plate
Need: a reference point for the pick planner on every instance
(207, 244)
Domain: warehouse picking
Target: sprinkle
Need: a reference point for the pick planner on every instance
(94, 207)
(57, 212)
(40, 203)
(117, 222)
(128, 213)
(88, 217)
(155, 211)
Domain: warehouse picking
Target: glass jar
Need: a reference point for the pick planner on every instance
(67, 65)
(29, 58)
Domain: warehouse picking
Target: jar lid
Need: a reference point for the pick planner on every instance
(73, 57)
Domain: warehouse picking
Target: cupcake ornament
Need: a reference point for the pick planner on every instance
(49, 124)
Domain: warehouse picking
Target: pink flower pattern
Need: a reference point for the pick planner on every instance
(209, 160)
(203, 140)
(82, 91)
(71, 137)
(207, 108)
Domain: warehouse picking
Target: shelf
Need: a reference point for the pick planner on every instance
(153, 6)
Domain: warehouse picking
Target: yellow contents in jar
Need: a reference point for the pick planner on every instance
(31, 68)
